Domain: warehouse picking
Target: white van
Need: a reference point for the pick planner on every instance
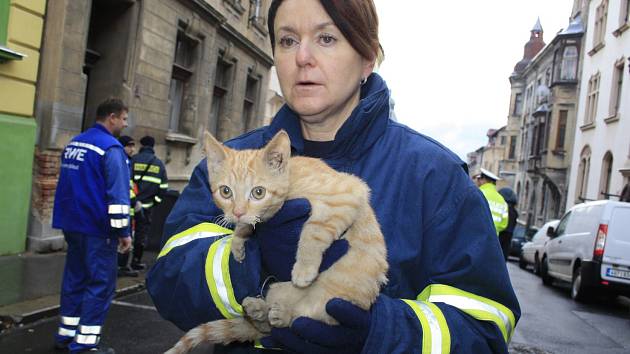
(590, 248)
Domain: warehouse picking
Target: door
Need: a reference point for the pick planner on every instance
(617, 250)
(556, 251)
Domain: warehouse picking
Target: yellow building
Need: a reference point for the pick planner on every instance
(21, 25)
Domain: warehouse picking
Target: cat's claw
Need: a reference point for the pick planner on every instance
(256, 308)
(303, 276)
(279, 316)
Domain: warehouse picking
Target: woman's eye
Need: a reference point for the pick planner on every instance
(327, 39)
(225, 192)
(258, 192)
(287, 42)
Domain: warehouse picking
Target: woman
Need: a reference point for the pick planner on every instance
(448, 290)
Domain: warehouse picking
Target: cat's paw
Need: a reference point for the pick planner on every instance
(255, 308)
(303, 275)
(279, 316)
(238, 251)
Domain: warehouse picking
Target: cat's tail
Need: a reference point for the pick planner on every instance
(217, 332)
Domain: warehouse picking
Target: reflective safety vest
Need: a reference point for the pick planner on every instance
(498, 206)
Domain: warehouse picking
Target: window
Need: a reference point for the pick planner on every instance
(180, 77)
(222, 80)
(518, 104)
(256, 15)
(562, 226)
(615, 94)
(249, 103)
(604, 183)
(512, 150)
(600, 24)
(503, 140)
(569, 63)
(582, 178)
(591, 99)
(624, 13)
(562, 129)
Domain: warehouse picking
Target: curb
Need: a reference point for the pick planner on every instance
(14, 321)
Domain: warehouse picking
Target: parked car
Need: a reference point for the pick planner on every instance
(520, 235)
(533, 250)
(590, 248)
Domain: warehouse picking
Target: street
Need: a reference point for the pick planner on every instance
(551, 323)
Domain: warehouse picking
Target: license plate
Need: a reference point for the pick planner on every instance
(618, 273)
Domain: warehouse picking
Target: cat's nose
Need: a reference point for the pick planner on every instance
(238, 213)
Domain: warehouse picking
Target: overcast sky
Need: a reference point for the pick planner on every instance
(448, 62)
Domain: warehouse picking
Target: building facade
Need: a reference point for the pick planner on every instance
(182, 66)
(21, 26)
(601, 155)
(542, 114)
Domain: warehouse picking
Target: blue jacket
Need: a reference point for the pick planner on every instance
(92, 195)
(446, 265)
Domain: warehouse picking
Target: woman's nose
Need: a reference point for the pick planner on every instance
(305, 54)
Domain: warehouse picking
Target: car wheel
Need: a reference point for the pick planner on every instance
(536, 265)
(544, 275)
(579, 292)
(521, 262)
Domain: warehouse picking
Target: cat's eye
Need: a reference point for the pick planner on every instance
(258, 192)
(225, 192)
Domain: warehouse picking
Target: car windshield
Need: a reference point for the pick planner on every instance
(519, 231)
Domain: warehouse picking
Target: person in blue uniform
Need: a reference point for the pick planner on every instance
(448, 288)
(92, 208)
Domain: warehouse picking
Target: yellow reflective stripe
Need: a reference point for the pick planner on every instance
(83, 339)
(476, 306)
(147, 205)
(143, 166)
(148, 179)
(218, 278)
(203, 230)
(157, 199)
(164, 185)
(436, 337)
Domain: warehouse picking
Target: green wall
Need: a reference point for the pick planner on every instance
(17, 144)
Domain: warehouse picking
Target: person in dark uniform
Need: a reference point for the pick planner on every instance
(505, 236)
(124, 267)
(92, 208)
(149, 174)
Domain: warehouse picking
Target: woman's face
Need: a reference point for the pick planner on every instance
(318, 69)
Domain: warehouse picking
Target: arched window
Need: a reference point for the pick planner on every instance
(569, 63)
(604, 183)
(582, 178)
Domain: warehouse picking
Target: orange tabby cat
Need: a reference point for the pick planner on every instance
(250, 186)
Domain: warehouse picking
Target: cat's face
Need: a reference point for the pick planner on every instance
(249, 186)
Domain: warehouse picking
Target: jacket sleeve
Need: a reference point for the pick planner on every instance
(195, 278)
(116, 170)
(465, 302)
(163, 184)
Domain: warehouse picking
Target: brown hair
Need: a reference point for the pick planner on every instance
(109, 106)
(356, 19)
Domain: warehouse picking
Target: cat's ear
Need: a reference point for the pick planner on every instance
(278, 151)
(215, 152)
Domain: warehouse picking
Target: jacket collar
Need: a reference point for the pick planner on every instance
(102, 128)
(359, 132)
(147, 149)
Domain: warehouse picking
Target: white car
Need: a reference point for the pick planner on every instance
(590, 248)
(533, 250)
